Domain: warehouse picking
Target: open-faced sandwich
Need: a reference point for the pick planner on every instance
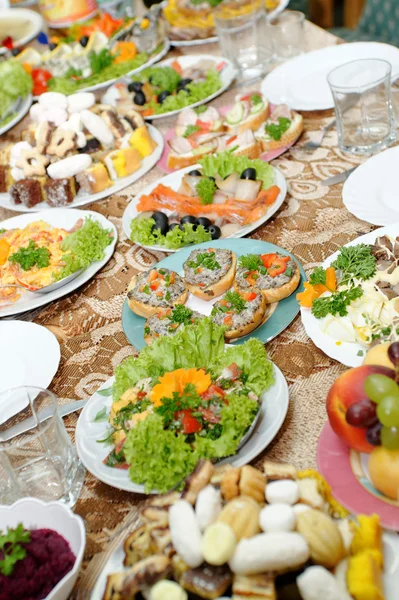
(243, 533)
(168, 322)
(215, 199)
(209, 273)
(73, 146)
(239, 312)
(155, 289)
(282, 127)
(276, 276)
(248, 112)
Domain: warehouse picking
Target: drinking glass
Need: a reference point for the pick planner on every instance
(363, 105)
(287, 31)
(37, 457)
(245, 39)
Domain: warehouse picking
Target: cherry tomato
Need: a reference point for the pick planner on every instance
(209, 415)
(8, 42)
(189, 423)
(40, 78)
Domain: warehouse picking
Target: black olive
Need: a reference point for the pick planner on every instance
(205, 222)
(163, 227)
(249, 173)
(211, 178)
(215, 232)
(84, 40)
(135, 86)
(173, 226)
(183, 83)
(16, 51)
(162, 96)
(139, 99)
(195, 173)
(159, 217)
(188, 219)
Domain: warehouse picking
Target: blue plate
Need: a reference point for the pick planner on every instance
(286, 310)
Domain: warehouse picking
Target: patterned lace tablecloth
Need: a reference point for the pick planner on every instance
(312, 224)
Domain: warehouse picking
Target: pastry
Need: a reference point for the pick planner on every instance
(42, 136)
(123, 162)
(70, 166)
(3, 179)
(32, 163)
(274, 471)
(53, 100)
(142, 141)
(155, 289)
(114, 123)
(254, 587)
(252, 483)
(239, 312)
(209, 273)
(94, 179)
(60, 192)
(197, 481)
(81, 101)
(206, 581)
(229, 485)
(62, 142)
(97, 127)
(27, 192)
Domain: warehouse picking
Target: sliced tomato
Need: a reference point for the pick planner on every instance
(141, 395)
(220, 66)
(203, 125)
(268, 259)
(154, 285)
(247, 97)
(278, 266)
(189, 423)
(209, 415)
(212, 391)
(228, 320)
(40, 79)
(8, 42)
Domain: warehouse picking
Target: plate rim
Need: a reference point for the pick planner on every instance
(280, 72)
(26, 104)
(81, 279)
(279, 176)
(139, 488)
(35, 18)
(85, 199)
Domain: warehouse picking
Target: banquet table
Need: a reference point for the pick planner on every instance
(312, 224)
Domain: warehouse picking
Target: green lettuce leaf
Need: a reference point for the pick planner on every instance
(83, 247)
(14, 82)
(142, 232)
(252, 358)
(224, 163)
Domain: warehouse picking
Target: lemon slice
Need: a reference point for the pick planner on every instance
(97, 41)
(29, 56)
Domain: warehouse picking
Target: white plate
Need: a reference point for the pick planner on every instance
(344, 352)
(274, 409)
(25, 106)
(391, 567)
(22, 14)
(302, 81)
(83, 199)
(371, 191)
(57, 217)
(227, 75)
(29, 355)
(200, 42)
(173, 180)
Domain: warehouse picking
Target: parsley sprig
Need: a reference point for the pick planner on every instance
(181, 314)
(206, 189)
(355, 262)
(276, 131)
(31, 256)
(10, 546)
(206, 260)
(252, 262)
(336, 304)
(189, 399)
(235, 303)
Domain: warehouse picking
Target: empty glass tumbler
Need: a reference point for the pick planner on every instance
(363, 105)
(245, 37)
(37, 457)
(287, 31)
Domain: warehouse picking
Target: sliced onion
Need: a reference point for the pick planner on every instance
(229, 229)
(221, 197)
(180, 145)
(247, 190)
(229, 184)
(189, 184)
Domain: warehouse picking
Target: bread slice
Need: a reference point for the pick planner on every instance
(256, 321)
(277, 294)
(218, 288)
(252, 150)
(146, 310)
(180, 161)
(289, 137)
(252, 122)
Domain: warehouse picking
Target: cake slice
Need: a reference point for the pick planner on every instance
(60, 192)
(142, 141)
(27, 192)
(94, 179)
(123, 162)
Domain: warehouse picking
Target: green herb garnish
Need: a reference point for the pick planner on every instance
(336, 304)
(206, 260)
(256, 99)
(360, 353)
(167, 296)
(100, 61)
(10, 546)
(201, 109)
(318, 277)
(72, 72)
(206, 189)
(31, 256)
(190, 129)
(2, 230)
(146, 290)
(355, 262)
(276, 131)
(181, 314)
(234, 301)
(189, 399)
(252, 262)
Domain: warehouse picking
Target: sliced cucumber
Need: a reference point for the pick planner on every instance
(202, 149)
(236, 114)
(216, 125)
(257, 108)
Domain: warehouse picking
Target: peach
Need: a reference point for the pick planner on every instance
(384, 471)
(378, 355)
(346, 390)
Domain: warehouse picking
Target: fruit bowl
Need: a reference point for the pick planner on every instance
(34, 514)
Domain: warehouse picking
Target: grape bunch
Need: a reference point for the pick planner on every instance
(379, 412)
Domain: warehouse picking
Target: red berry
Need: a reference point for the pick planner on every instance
(361, 414)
